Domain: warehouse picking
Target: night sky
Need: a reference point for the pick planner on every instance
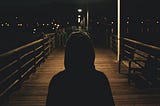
(141, 7)
(68, 7)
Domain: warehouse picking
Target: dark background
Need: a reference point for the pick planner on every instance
(68, 7)
(66, 10)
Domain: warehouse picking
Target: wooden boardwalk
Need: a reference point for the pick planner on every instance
(34, 90)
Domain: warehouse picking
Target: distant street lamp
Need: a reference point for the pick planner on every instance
(79, 10)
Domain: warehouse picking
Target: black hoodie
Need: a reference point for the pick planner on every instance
(79, 84)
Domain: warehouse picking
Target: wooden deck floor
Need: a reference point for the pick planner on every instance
(34, 90)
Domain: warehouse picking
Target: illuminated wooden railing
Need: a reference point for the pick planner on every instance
(113, 42)
(147, 48)
(16, 65)
(141, 57)
(138, 44)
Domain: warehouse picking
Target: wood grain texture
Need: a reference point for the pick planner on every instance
(34, 90)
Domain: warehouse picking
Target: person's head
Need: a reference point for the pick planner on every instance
(79, 52)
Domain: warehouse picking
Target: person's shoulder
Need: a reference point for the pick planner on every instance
(100, 74)
(58, 76)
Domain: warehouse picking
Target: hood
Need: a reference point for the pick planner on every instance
(79, 52)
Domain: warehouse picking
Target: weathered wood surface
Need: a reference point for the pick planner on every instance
(34, 90)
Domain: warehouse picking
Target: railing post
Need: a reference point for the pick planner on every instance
(34, 52)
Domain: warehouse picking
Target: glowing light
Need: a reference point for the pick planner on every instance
(79, 20)
(79, 16)
(157, 22)
(52, 23)
(20, 25)
(2, 25)
(142, 22)
(53, 28)
(58, 25)
(87, 19)
(67, 22)
(127, 22)
(8, 25)
(34, 29)
(55, 24)
(43, 24)
(47, 24)
(97, 22)
(79, 10)
(112, 22)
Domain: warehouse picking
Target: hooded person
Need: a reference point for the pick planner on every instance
(79, 84)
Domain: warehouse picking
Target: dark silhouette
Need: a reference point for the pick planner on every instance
(80, 84)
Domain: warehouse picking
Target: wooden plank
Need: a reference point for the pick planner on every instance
(34, 90)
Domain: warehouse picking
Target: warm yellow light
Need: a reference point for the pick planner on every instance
(20, 25)
(79, 20)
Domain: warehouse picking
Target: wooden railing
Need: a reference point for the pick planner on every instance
(16, 65)
(137, 52)
(148, 48)
(113, 42)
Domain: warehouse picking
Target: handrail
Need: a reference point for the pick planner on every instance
(143, 44)
(147, 48)
(20, 48)
(150, 47)
(22, 61)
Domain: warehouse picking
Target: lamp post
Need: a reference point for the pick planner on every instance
(118, 32)
(87, 19)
